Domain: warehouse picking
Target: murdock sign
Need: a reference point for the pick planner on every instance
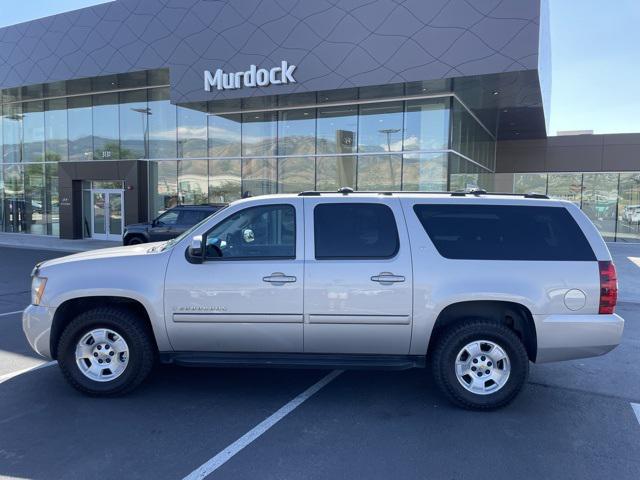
(254, 77)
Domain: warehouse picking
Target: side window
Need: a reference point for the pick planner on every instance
(504, 232)
(191, 217)
(354, 231)
(168, 218)
(267, 231)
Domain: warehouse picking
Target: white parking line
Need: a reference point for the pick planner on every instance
(11, 313)
(222, 457)
(636, 410)
(11, 375)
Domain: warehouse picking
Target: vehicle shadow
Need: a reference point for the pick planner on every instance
(371, 424)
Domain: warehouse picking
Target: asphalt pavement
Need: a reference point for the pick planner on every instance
(574, 419)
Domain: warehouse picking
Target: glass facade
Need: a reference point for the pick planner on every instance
(373, 138)
(610, 199)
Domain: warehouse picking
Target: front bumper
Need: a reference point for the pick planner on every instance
(567, 337)
(36, 324)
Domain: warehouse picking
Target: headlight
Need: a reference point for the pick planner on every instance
(37, 289)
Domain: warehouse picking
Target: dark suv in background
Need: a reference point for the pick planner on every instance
(168, 225)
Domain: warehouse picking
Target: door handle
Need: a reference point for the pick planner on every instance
(279, 278)
(387, 278)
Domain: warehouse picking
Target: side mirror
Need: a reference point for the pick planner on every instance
(194, 251)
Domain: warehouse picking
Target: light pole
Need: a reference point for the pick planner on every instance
(145, 112)
(388, 132)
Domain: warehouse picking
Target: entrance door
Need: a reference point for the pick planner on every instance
(106, 214)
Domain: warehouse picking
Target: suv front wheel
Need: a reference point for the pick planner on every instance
(105, 352)
(480, 365)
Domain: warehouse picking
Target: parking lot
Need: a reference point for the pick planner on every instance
(574, 419)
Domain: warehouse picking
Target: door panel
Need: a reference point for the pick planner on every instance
(106, 214)
(356, 305)
(236, 303)
(115, 213)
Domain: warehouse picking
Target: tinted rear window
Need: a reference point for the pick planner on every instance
(354, 230)
(191, 217)
(504, 232)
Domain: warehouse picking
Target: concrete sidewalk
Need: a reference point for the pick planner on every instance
(45, 242)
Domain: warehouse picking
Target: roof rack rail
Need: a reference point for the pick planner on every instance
(458, 193)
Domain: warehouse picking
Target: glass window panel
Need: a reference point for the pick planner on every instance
(381, 91)
(599, 201)
(470, 139)
(86, 213)
(35, 202)
(79, 85)
(225, 135)
(425, 172)
(80, 131)
(14, 198)
(158, 77)
(134, 124)
(52, 199)
(333, 173)
(55, 89)
(565, 186)
(379, 172)
(162, 137)
(1, 197)
(192, 133)
(224, 180)
(530, 183)
(105, 127)
(296, 174)
(104, 82)
(55, 130)
(354, 230)
(132, 79)
(380, 127)
(163, 186)
(12, 132)
(33, 132)
(256, 103)
(267, 231)
(259, 134)
(628, 225)
(337, 129)
(11, 95)
(426, 124)
(307, 98)
(342, 95)
(259, 176)
(193, 182)
(31, 92)
(297, 132)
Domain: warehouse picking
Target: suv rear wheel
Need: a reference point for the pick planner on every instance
(134, 240)
(105, 352)
(480, 365)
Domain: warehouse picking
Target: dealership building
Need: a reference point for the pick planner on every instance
(112, 114)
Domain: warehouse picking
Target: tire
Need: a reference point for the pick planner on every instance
(128, 371)
(134, 240)
(461, 342)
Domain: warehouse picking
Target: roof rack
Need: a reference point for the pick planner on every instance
(459, 193)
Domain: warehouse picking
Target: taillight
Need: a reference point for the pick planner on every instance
(608, 287)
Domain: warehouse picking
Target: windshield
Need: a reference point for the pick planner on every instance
(188, 232)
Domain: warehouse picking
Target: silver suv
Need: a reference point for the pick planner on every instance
(477, 285)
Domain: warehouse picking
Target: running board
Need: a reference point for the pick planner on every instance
(293, 360)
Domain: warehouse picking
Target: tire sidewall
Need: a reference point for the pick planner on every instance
(67, 358)
(517, 358)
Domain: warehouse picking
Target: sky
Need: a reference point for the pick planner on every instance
(595, 59)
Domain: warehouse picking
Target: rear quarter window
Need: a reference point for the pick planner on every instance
(504, 232)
